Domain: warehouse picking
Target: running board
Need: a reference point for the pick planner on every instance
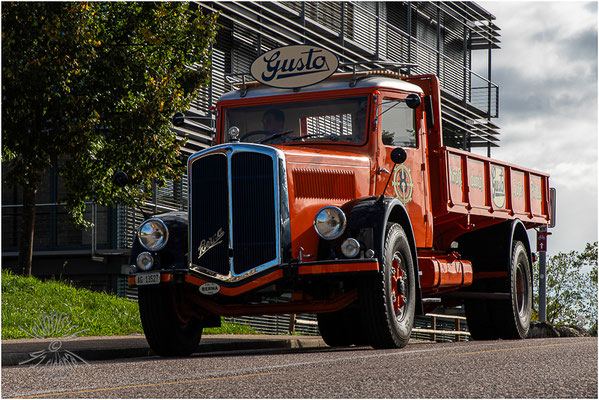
(476, 295)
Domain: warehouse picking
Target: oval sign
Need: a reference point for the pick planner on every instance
(295, 66)
(210, 288)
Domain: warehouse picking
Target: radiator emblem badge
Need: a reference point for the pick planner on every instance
(211, 242)
(210, 288)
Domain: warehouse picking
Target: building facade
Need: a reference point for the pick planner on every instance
(441, 38)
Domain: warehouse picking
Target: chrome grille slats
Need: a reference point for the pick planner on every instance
(208, 178)
(237, 186)
(254, 222)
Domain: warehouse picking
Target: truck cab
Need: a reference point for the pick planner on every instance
(341, 196)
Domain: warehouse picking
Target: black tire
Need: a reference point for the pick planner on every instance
(335, 328)
(513, 316)
(166, 334)
(389, 324)
(479, 316)
(342, 328)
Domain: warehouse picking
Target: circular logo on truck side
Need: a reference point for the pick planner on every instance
(293, 67)
(402, 183)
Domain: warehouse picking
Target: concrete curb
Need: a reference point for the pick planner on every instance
(15, 352)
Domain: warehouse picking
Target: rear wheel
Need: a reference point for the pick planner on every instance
(506, 319)
(513, 316)
(167, 332)
(479, 316)
(387, 302)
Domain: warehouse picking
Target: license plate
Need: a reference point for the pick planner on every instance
(152, 278)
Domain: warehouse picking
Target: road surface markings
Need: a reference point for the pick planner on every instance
(144, 385)
(256, 371)
(508, 349)
(267, 370)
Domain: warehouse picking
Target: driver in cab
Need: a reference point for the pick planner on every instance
(273, 120)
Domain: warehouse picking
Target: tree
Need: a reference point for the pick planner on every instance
(95, 84)
(571, 288)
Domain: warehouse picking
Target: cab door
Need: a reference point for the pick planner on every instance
(400, 126)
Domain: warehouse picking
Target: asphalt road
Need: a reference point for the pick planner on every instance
(534, 368)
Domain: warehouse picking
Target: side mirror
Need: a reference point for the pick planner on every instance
(120, 178)
(398, 155)
(413, 101)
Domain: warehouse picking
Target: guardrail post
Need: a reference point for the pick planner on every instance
(292, 324)
(434, 329)
(457, 328)
(542, 279)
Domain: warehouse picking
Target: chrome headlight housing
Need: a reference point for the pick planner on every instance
(329, 222)
(144, 261)
(153, 234)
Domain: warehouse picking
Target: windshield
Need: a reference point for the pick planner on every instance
(330, 120)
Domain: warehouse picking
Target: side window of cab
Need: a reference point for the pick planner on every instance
(398, 124)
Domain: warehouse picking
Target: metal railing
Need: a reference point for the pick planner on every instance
(53, 230)
(435, 36)
(431, 327)
(441, 328)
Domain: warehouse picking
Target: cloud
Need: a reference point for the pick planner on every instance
(547, 74)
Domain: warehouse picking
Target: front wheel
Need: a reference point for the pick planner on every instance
(341, 328)
(387, 302)
(167, 332)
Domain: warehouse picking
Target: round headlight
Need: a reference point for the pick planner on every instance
(153, 234)
(329, 222)
(145, 261)
(350, 248)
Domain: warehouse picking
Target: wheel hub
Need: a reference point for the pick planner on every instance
(398, 285)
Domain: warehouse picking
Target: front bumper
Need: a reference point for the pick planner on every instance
(331, 270)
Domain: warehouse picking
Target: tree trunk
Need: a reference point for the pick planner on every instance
(27, 229)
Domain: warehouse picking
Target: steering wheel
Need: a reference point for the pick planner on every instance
(253, 133)
(273, 136)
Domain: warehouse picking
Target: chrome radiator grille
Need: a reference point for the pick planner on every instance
(254, 239)
(234, 210)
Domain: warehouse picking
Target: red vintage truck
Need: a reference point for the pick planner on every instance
(341, 195)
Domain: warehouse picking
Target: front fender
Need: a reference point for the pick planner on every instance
(367, 220)
(174, 253)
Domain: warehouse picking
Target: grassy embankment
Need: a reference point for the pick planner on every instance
(31, 307)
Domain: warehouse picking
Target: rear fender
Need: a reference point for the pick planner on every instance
(490, 249)
(518, 233)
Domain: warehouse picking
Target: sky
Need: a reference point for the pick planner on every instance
(546, 70)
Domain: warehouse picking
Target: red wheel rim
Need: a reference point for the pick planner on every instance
(398, 276)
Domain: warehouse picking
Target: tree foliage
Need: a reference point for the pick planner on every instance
(571, 288)
(94, 84)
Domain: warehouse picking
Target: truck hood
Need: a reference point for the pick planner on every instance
(319, 156)
(318, 178)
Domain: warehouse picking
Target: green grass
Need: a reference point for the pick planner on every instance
(32, 308)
